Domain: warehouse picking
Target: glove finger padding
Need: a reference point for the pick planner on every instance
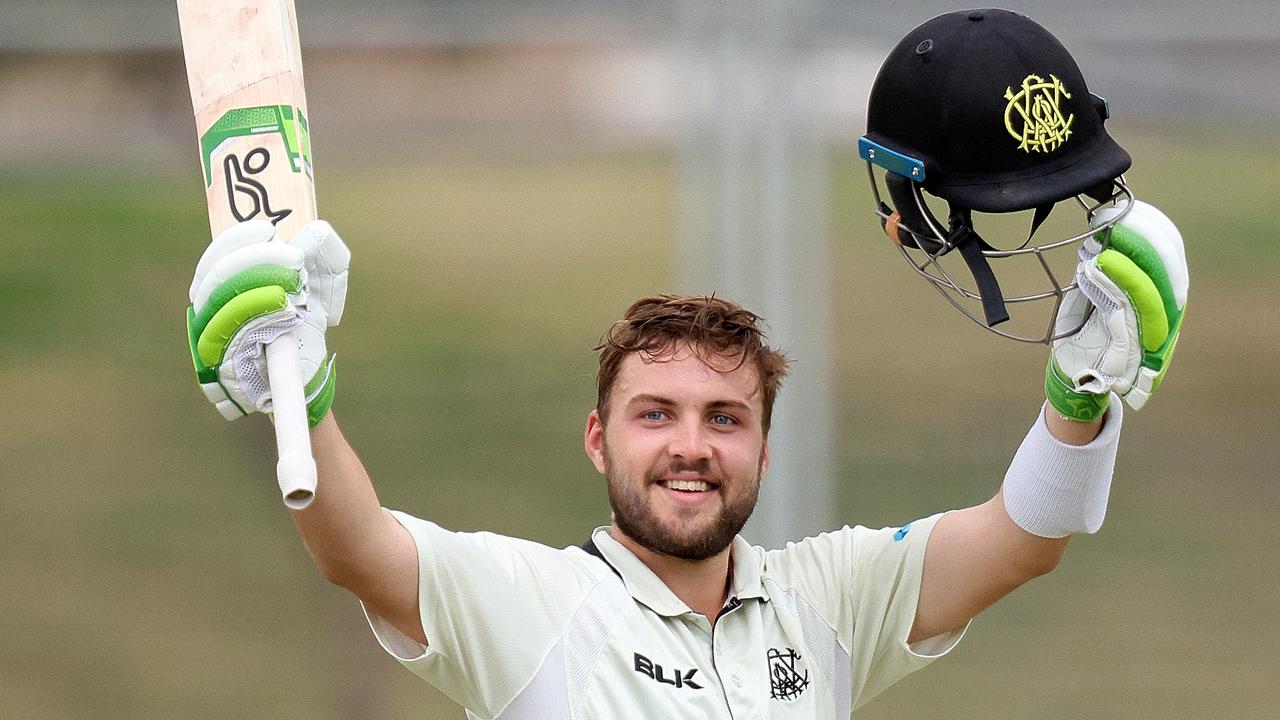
(248, 291)
(1150, 239)
(238, 248)
(1137, 287)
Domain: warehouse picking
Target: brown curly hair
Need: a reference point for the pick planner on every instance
(712, 327)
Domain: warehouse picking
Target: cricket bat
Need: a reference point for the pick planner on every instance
(245, 71)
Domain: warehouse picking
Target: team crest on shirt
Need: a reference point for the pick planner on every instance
(787, 676)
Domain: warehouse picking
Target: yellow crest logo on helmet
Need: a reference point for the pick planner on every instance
(1034, 114)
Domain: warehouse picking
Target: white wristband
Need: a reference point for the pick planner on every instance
(1053, 489)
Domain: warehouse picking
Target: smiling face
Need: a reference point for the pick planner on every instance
(682, 449)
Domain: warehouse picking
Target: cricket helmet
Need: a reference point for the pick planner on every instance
(987, 112)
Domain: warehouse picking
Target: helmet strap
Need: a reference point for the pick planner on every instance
(914, 228)
(1103, 191)
(964, 238)
(1041, 214)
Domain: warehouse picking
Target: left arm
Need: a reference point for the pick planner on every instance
(978, 555)
(1129, 302)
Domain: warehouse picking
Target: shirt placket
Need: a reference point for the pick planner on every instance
(731, 653)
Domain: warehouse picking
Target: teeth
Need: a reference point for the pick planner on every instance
(695, 485)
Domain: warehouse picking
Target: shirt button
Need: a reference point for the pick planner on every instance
(737, 681)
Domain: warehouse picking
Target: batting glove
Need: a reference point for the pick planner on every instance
(249, 289)
(1137, 289)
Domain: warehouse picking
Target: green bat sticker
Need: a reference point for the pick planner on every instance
(286, 120)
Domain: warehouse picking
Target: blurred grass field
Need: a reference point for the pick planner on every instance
(150, 571)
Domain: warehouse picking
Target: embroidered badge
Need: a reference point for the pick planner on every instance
(785, 681)
(1034, 114)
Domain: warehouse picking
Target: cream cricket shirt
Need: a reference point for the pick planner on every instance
(518, 630)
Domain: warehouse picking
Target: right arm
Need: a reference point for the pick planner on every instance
(248, 289)
(353, 541)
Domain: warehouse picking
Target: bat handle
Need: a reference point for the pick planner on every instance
(296, 469)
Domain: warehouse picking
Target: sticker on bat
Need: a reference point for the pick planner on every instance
(241, 186)
(285, 120)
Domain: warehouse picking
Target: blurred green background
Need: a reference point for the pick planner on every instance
(150, 571)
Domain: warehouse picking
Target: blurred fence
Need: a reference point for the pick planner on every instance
(89, 79)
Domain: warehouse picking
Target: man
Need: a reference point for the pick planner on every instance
(666, 612)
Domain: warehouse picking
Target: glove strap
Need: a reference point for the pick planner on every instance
(320, 392)
(1069, 402)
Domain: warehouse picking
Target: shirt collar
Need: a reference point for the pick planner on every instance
(648, 588)
(747, 561)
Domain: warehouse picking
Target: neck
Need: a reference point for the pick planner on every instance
(703, 585)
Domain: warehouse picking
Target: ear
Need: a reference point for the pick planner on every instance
(593, 440)
(764, 457)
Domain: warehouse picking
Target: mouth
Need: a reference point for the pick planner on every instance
(689, 485)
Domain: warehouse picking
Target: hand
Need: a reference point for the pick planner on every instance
(249, 289)
(1137, 288)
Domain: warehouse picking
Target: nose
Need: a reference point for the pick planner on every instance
(689, 441)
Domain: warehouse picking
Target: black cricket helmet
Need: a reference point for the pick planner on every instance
(986, 111)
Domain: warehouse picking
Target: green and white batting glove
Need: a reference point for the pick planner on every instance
(1138, 289)
(249, 289)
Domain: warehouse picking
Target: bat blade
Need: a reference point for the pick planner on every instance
(244, 67)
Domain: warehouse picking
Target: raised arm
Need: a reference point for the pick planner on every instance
(1131, 299)
(978, 555)
(248, 290)
(353, 541)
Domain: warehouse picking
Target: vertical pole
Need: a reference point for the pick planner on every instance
(754, 190)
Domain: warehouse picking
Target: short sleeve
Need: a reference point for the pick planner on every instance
(491, 607)
(865, 584)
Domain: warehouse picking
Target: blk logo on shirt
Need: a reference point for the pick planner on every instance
(675, 677)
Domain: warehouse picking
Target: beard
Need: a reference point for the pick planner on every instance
(692, 538)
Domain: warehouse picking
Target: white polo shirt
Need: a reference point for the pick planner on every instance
(519, 630)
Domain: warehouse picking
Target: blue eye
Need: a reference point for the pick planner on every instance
(654, 415)
(722, 419)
